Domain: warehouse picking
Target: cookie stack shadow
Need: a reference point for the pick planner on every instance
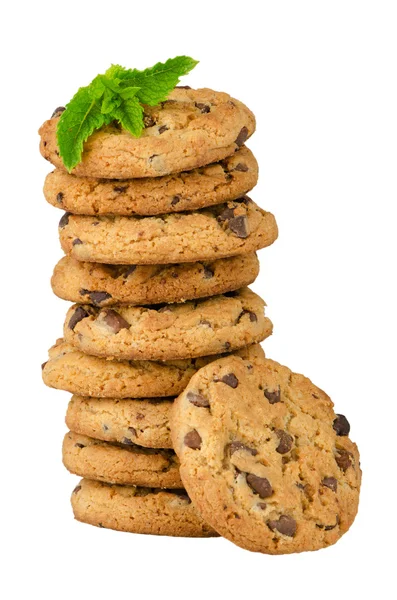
(160, 246)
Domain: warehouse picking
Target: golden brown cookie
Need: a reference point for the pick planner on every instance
(264, 457)
(138, 510)
(204, 327)
(190, 190)
(125, 463)
(105, 285)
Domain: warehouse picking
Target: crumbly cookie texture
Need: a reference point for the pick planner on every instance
(264, 457)
(145, 422)
(138, 510)
(106, 285)
(191, 190)
(220, 231)
(125, 463)
(74, 371)
(191, 129)
(205, 327)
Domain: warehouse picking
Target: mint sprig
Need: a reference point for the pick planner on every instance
(117, 95)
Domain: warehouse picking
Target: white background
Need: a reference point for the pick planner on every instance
(321, 79)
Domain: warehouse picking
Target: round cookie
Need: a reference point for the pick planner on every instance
(125, 464)
(210, 326)
(138, 510)
(264, 457)
(145, 422)
(74, 371)
(105, 285)
(191, 129)
(220, 231)
(190, 190)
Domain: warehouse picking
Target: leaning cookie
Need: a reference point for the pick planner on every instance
(142, 421)
(125, 464)
(191, 129)
(105, 285)
(220, 231)
(264, 457)
(74, 371)
(210, 326)
(138, 510)
(190, 190)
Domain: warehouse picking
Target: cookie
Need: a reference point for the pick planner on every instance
(105, 285)
(145, 422)
(70, 369)
(190, 190)
(125, 463)
(172, 331)
(138, 510)
(191, 129)
(220, 231)
(264, 457)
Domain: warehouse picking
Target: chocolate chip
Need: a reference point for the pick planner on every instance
(286, 441)
(133, 430)
(79, 314)
(193, 440)
(260, 485)
(262, 505)
(120, 189)
(148, 121)
(285, 525)
(239, 226)
(139, 416)
(64, 220)
(163, 128)
(77, 242)
(227, 346)
(341, 425)
(273, 397)
(230, 379)
(330, 482)
(198, 400)
(241, 167)
(58, 111)
(175, 200)
(226, 215)
(59, 197)
(77, 489)
(235, 446)
(329, 527)
(79, 445)
(242, 136)
(343, 459)
(127, 442)
(105, 427)
(245, 200)
(44, 364)
(96, 297)
(205, 322)
(115, 321)
(252, 316)
(208, 273)
(205, 108)
(127, 270)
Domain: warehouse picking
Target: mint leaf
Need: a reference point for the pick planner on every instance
(130, 115)
(80, 119)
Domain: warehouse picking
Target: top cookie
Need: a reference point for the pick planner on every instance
(264, 457)
(191, 129)
(220, 182)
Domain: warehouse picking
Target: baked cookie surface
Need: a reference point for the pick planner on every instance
(125, 463)
(190, 190)
(105, 285)
(220, 231)
(138, 510)
(264, 457)
(74, 371)
(191, 129)
(204, 327)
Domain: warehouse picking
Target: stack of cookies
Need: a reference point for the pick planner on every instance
(160, 242)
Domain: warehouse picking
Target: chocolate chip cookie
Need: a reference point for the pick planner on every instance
(125, 463)
(191, 129)
(264, 457)
(105, 285)
(74, 371)
(190, 190)
(138, 510)
(172, 331)
(220, 231)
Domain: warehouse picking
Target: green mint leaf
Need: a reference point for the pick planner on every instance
(130, 115)
(80, 119)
